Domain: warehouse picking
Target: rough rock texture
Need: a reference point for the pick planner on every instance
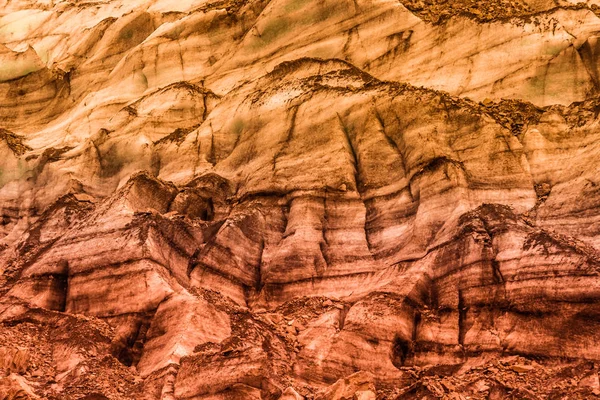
(299, 199)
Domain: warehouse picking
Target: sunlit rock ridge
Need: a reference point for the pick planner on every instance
(299, 199)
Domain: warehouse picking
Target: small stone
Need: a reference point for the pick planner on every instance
(275, 318)
(290, 394)
(590, 381)
(299, 327)
(448, 385)
(521, 368)
(83, 197)
(365, 395)
(359, 385)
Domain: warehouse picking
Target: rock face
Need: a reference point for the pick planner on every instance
(299, 199)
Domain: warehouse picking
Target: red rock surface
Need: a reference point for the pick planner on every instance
(298, 199)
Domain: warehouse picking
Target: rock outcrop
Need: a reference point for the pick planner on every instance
(299, 199)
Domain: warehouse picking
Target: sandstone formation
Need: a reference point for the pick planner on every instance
(299, 199)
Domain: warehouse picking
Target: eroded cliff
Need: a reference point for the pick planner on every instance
(294, 199)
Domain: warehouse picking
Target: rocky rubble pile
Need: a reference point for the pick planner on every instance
(46, 355)
(437, 11)
(34, 351)
(511, 377)
(514, 115)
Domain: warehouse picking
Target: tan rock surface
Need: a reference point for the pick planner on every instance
(299, 199)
